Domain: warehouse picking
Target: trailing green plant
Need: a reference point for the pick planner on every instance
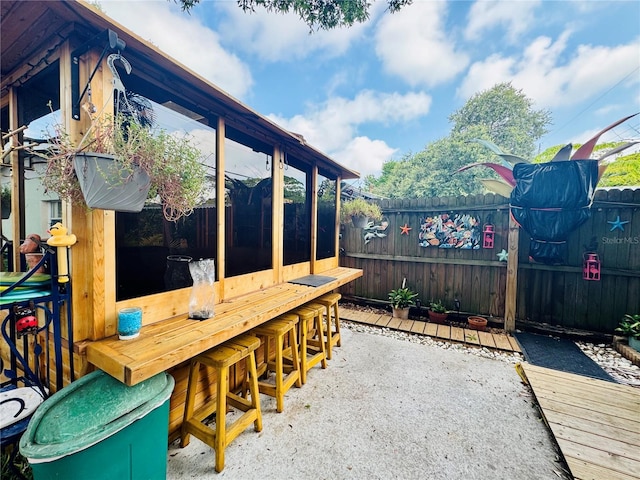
(173, 164)
(629, 326)
(359, 207)
(402, 297)
(437, 307)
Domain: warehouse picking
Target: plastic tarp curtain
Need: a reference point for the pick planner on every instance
(551, 200)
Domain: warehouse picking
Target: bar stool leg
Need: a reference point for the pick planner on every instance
(304, 328)
(337, 322)
(221, 424)
(255, 393)
(295, 357)
(279, 373)
(321, 342)
(185, 437)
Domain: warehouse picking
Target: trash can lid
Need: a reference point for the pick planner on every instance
(88, 411)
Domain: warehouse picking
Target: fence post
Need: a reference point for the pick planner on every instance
(511, 291)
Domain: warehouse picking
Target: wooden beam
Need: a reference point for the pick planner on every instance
(512, 277)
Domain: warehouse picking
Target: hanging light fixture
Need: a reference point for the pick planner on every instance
(487, 236)
(591, 266)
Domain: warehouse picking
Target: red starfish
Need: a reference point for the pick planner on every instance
(405, 229)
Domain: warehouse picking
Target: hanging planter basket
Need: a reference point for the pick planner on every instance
(108, 187)
(359, 221)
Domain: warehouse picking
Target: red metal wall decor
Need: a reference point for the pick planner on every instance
(487, 236)
(591, 267)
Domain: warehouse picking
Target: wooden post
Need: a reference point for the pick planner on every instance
(314, 219)
(277, 213)
(512, 277)
(16, 185)
(221, 213)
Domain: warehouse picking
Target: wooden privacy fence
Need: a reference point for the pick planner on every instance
(556, 295)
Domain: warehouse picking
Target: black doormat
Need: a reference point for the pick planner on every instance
(559, 354)
(312, 280)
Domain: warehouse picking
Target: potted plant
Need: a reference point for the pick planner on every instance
(630, 327)
(5, 201)
(437, 312)
(119, 164)
(401, 299)
(477, 322)
(360, 211)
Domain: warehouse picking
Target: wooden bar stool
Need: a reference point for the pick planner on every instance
(310, 332)
(221, 358)
(285, 359)
(330, 302)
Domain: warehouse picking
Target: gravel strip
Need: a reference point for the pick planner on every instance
(621, 369)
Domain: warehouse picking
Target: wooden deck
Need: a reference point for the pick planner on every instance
(596, 423)
(494, 341)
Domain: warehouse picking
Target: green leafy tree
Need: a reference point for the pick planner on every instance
(623, 171)
(317, 14)
(505, 116)
(502, 115)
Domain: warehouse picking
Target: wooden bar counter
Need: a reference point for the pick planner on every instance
(167, 343)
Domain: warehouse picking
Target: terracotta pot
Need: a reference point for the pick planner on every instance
(477, 323)
(402, 313)
(32, 260)
(437, 317)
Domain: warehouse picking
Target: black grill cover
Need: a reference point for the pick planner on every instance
(549, 201)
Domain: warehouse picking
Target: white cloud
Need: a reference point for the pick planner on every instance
(542, 75)
(184, 38)
(515, 16)
(332, 127)
(274, 37)
(412, 44)
(365, 156)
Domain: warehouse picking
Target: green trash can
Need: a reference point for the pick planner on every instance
(99, 428)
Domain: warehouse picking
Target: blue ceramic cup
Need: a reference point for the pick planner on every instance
(129, 323)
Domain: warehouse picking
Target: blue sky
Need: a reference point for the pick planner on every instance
(385, 88)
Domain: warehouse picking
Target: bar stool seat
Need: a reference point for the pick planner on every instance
(221, 358)
(330, 302)
(285, 360)
(310, 332)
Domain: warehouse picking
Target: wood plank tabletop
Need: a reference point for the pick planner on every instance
(167, 343)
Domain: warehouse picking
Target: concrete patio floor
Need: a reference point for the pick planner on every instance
(387, 408)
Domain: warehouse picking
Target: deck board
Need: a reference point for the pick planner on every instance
(596, 423)
(418, 327)
(500, 341)
(472, 337)
(457, 334)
